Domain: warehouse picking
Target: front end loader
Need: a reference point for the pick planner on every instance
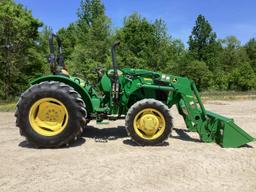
(55, 110)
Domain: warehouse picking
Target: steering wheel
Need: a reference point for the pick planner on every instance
(99, 71)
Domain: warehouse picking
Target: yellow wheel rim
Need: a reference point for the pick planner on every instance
(149, 124)
(48, 117)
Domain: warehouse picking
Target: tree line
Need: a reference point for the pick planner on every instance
(213, 63)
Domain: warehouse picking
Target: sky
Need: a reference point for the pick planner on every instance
(227, 17)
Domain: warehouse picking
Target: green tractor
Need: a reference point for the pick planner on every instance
(55, 110)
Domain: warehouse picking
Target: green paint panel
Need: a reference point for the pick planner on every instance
(75, 84)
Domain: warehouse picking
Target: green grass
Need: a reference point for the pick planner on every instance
(9, 104)
(228, 95)
(7, 107)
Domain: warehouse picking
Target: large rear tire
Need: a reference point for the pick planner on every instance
(50, 114)
(148, 122)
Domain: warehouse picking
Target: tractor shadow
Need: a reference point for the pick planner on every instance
(107, 134)
(77, 143)
(26, 144)
(182, 134)
(132, 143)
(104, 135)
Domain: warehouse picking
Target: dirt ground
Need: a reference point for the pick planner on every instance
(106, 159)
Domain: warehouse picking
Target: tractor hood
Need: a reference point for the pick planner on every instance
(141, 72)
(150, 74)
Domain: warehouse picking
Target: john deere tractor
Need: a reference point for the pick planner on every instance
(55, 110)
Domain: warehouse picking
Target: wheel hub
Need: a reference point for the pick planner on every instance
(48, 116)
(51, 114)
(149, 124)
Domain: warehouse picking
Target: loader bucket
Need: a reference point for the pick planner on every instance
(228, 134)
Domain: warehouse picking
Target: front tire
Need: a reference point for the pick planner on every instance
(148, 122)
(50, 114)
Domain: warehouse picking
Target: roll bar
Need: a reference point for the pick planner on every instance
(55, 60)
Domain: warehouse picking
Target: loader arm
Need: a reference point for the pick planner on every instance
(210, 126)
